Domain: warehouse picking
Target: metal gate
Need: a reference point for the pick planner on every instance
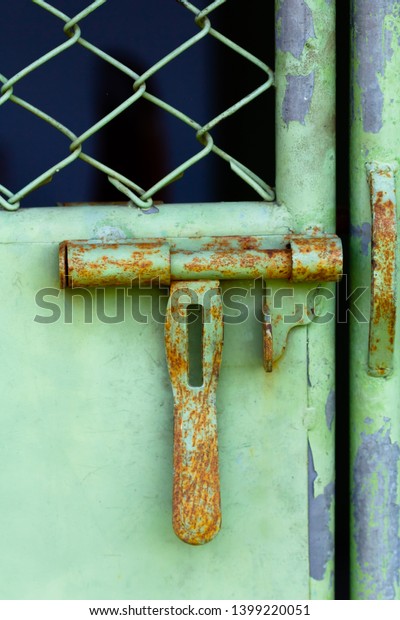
(101, 453)
(374, 431)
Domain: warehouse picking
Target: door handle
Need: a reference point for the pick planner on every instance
(196, 486)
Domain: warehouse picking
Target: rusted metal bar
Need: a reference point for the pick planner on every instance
(231, 265)
(140, 261)
(196, 491)
(383, 268)
(113, 264)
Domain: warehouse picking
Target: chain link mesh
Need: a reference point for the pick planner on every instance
(140, 197)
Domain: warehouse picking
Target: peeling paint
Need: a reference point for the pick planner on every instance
(149, 211)
(372, 51)
(330, 408)
(320, 537)
(295, 26)
(388, 36)
(377, 513)
(364, 233)
(109, 233)
(297, 100)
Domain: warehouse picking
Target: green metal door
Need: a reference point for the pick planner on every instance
(87, 461)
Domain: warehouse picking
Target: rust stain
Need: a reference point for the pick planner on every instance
(62, 263)
(233, 243)
(268, 349)
(383, 257)
(271, 264)
(196, 491)
(383, 268)
(116, 264)
(316, 259)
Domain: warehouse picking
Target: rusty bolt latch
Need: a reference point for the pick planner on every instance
(297, 258)
(193, 268)
(155, 261)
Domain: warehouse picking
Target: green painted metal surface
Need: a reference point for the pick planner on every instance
(86, 464)
(305, 183)
(375, 419)
(87, 451)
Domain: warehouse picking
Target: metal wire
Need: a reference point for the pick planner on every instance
(140, 197)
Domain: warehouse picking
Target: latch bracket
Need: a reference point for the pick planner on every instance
(382, 323)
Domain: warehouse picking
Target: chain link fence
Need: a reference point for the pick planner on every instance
(72, 27)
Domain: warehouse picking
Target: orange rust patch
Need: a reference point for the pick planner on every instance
(383, 260)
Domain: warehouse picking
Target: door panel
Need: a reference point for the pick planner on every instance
(87, 454)
(86, 466)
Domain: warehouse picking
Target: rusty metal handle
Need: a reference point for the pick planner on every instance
(383, 267)
(196, 490)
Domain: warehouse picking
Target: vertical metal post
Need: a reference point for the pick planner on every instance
(305, 183)
(375, 367)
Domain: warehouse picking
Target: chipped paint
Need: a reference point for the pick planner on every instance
(320, 537)
(363, 232)
(330, 408)
(109, 233)
(295, 26)
(373, 51)
(388, 37)
(297, 100)
(376, 514)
